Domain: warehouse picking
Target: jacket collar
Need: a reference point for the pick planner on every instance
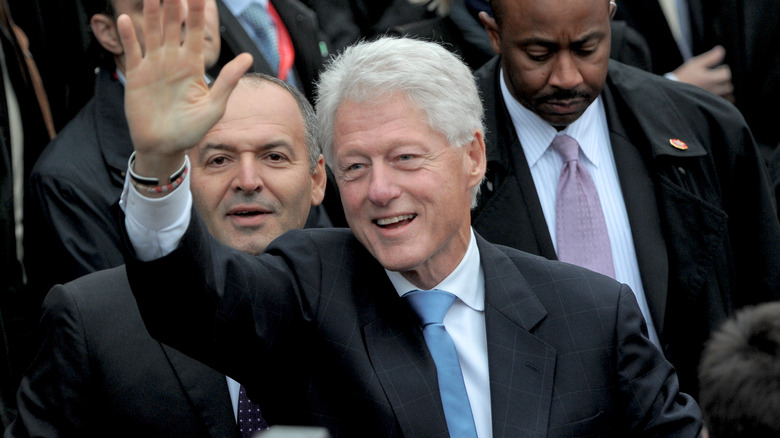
(113, 134)
(670, 135)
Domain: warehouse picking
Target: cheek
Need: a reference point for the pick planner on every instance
(594, 75)
(207, 193)
(528, 80)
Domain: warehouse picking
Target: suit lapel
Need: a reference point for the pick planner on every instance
(237, 40)
(207, 391)
(112, 133)
(642, 210)
(309, 42)
(521, 366)
(401, 361)
(512, 214)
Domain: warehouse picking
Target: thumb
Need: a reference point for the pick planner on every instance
(229, 76)
(713, 57)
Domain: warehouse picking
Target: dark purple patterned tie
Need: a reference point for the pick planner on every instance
(250, 419)
(580, 229)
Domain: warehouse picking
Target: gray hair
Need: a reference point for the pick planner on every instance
(307, 111)
(432, 78)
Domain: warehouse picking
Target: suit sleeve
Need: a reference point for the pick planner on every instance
(55, 396)
(79, 235)
(229, 310)
(649, 389)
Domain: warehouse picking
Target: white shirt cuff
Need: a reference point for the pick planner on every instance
(155, 226)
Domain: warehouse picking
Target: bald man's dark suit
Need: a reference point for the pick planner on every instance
(317, 333)
(706, 237)
(98, 373)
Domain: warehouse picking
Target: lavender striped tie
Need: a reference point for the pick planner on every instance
(580, 229)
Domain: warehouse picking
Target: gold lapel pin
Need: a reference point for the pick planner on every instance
(678, 144)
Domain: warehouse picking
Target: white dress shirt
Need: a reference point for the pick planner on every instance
(465, 322)
(592, 133)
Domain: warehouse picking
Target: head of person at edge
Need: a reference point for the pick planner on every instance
(104, 13)
(554, 64)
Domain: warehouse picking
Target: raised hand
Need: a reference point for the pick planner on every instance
(168, 104)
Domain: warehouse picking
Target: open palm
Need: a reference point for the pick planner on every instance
(169, 106)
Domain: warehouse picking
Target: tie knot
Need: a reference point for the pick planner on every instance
(430, 305)
(567, 147)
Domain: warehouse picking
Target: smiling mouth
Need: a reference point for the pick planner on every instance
(395, 221)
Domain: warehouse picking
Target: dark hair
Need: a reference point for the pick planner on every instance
(739, 375)
(93, 7)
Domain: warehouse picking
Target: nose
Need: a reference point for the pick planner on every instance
(565, 72)
(247, 178)
(383, 186)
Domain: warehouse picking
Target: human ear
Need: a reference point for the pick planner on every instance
(105, 31)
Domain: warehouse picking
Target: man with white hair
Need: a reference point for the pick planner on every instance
(408, 323)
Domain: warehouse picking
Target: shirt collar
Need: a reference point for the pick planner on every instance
(466, 282)
(585, 129)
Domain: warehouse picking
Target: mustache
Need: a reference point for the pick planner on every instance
(253, 199)
(563, 95)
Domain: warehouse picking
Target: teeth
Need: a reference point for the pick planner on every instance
(393, 220)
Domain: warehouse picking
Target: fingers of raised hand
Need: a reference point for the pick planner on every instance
(172, 22)
(229, 76)
(151, 25)
(195, 24)
(129, 41)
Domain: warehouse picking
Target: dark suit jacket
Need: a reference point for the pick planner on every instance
(648, 18)
(308, 40)
(706, 236)
(74, 185)
(750, 32)
(98, 373)
(316, 331)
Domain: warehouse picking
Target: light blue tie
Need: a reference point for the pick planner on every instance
(264, 31)
(431, 306)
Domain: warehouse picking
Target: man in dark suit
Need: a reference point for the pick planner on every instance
(309, 46)
(97, 369)
(692, 228)
(682, 42)
(79, 176)
(317, 326)
(750, 32)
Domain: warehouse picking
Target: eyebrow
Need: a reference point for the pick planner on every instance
(230, 148)
(536, 41)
